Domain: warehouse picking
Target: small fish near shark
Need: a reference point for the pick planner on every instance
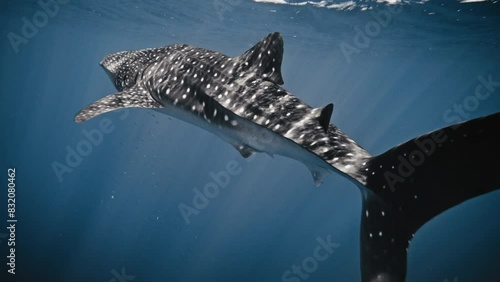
(240, 100)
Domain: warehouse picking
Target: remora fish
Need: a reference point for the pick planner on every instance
(240, 100)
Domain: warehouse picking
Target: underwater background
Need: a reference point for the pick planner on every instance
(393, 69)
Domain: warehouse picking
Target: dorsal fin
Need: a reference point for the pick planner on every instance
(265, 58)
(325, 115)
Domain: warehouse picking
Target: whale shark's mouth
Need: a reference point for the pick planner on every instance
(124, 67)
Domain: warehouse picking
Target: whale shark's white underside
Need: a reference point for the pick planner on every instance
(240, 100)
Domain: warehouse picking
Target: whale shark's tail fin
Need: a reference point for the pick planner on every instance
(133, 97)
(417, 180)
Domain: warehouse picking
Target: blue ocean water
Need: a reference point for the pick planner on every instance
(394, 70)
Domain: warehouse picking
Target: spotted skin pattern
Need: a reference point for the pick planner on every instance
(214, 87)
(210, 84)
(223, 91)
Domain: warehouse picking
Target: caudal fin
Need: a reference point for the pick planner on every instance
(415, 181)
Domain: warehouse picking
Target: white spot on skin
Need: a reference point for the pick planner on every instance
(380, 234)
(367, 213)
(226, 118)
(234, 123)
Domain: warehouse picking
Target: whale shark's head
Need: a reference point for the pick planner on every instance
(124, 67)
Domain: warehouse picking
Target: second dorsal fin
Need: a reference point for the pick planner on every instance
(265, 58)
(325, 116)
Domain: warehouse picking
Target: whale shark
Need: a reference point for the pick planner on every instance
(242, 101)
